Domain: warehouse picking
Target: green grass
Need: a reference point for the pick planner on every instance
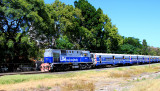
(117, 72)
(12, 79)
(121, 68)
(22, 78)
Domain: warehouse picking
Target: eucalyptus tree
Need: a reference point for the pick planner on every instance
(144, 47)
(91, 25)
(16, 18)
(65, 20)
(131, 45)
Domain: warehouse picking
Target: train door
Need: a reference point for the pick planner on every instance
(92, 57)
(137, 59)
(56, 55)
(113, 60)
(100, 59)
(130, 59)
(123, 60)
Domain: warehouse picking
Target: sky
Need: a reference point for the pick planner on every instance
(133, 18)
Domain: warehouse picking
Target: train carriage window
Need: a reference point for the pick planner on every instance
(127, 58)
(91, 55)
(63, 52)
(108, 59)
(81, 53)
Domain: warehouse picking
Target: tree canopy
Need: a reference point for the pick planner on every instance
(27, 27)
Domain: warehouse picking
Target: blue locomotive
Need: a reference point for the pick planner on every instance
(67, 59)
(57, 59)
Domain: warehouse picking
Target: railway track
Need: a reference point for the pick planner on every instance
(64, 72)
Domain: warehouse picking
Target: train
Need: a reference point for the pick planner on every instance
(59, 59)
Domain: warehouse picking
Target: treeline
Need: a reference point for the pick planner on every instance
(27, 27)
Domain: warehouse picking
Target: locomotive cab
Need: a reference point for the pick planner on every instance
(48, 56)
(51, 56)
(85, 54)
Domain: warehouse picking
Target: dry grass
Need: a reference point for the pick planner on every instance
(147, 85)
(84, 80)
(119, 74)
(132, 71)
(78, 85)
(71, 82)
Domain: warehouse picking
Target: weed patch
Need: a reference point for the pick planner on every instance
(80, 85)
(119, 74)
(157, 77)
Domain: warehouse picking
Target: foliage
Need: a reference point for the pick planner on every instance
(153, 51)
(101, 34)
(16, 18)
(144, 47)
(63, 43)
(131, 46)
(27, 27)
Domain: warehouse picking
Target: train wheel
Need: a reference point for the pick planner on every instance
(80, 66)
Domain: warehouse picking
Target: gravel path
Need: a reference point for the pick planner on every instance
(124, 84)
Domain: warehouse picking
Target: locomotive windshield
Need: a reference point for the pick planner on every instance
(63, 52)
(56, 57)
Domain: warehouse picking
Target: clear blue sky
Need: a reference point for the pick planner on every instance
(134, 18)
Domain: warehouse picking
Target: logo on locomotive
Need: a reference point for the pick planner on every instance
(63, 58)
(68, 59)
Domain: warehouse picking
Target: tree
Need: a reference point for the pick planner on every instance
(128, 49)
(88, 12)
(144, 47)
(64, 22)
(152, 51)
(103, 35)
(131, 45)
(63, 43)
(89, 24)
(16, 18)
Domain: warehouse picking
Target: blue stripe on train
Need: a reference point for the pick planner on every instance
(48, 59)
(75, 59)
(68, 59)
